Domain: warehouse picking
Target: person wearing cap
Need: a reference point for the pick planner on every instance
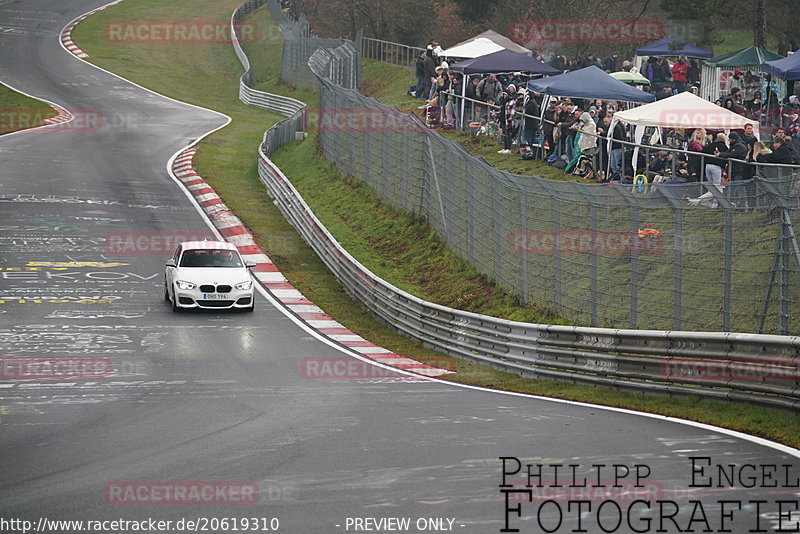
(661, 164)
(738, 153)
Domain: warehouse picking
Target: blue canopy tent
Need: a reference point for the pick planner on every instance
(787, 68)
(589, 82)
(503, 61)
(496, 62)
(673, 46)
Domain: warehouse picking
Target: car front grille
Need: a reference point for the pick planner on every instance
(208, 288)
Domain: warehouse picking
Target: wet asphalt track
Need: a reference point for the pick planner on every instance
(219, 397)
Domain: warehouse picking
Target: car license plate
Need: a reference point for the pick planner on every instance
(215, 296)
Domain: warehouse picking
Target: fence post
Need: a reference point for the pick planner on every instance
(676, 325)
(727, 272)
(470, 215)
(432, 163)
(523, 198)
(783, 295)
(635, 251)
(496, 227)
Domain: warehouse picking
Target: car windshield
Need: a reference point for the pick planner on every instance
(210, 258)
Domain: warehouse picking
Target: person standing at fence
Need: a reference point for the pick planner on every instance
(508, 105)
(617, 133)
(530, 125)
(489, 89)
(567, 133)
(780, 153)
(738, 153)
(549, 124)
(452, 105)
(696, 145)
(471, 93)
(430, 74)
(419, 65)
(714, 165)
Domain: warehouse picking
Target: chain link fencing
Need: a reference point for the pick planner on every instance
(608, 255)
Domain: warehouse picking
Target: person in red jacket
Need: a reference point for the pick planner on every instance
(679, 71)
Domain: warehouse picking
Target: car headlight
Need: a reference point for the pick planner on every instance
(244, 286)
(185, 286)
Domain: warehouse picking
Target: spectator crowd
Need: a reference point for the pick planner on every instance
(523, 125)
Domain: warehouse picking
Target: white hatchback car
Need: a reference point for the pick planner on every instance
(208, 274)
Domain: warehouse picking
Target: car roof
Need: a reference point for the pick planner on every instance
(208, 245)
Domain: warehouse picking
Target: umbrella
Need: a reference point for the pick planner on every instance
(631, 78)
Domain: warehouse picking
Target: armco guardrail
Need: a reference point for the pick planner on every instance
(297, 111)
(761, 369)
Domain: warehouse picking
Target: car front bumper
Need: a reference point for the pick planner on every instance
(194, 298)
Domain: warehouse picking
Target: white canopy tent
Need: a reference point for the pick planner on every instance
(475, 48)
(686, 111)
(682, 111)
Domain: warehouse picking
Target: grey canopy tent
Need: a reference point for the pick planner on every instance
(784, 69)
(673, 46)
(589, 82)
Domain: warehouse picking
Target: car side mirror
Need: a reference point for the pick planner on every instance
(170, 263)
(249, 264)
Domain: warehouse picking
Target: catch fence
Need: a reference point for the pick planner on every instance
(607, 255)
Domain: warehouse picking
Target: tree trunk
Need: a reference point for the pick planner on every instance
(761, 24)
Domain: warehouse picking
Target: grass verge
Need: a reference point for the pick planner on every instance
(207, 75)
(20, 112)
